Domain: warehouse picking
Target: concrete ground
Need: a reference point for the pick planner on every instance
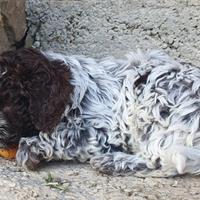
(71, 181)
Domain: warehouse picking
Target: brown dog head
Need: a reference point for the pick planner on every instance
(33, 93)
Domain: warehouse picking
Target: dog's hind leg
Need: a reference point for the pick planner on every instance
(118, 163)
(177, 160)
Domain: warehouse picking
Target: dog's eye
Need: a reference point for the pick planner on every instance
(3, 71)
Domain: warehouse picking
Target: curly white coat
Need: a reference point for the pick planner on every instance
(138, 115)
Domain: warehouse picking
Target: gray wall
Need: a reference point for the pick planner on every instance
(115, 27)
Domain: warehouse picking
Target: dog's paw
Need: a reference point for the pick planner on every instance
(28, 155)
(104, 164)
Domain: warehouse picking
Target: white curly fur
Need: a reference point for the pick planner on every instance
(139, 115)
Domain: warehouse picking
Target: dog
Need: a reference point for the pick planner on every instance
(138, 115)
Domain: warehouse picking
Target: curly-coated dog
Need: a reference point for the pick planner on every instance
(138, 115)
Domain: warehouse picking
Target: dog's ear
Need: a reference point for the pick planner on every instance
(48, 88)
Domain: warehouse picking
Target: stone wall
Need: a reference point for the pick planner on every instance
(12, 24)
(115, 27)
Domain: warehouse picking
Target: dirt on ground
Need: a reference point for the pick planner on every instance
(73, 181)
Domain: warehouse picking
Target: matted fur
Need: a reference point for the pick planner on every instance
(138, 115)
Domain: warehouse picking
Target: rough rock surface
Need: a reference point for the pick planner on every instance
(115, 27)
(99, 28)
(12, 23)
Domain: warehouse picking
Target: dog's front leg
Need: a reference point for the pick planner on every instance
(29, 153)
(44, 147)
(33, 150)
(62, 144)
